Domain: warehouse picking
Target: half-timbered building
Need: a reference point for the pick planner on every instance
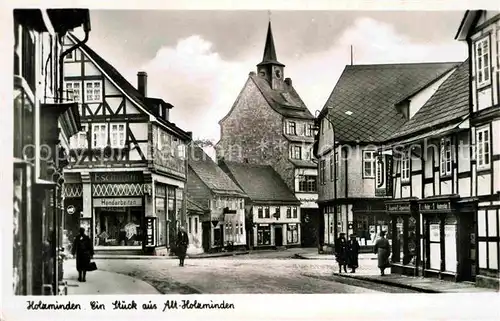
(209, 186)
(480, 29)
(43, 122)
(432, 211)
(128, 167)
(272, 211)
(357, 118)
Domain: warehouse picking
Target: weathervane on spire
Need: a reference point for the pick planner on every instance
(269, 13)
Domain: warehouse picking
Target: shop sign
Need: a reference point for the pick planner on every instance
(443, 206)
(435, 233)
(398, 207)
(117, 202)
(263, 224)
(150, 229)
(426, 207)
(117, 177)
(71, 210)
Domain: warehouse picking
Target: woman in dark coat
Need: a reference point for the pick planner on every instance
(84, 250)
(182, 244)
(341, 252)
(352, 253)
(383, 249)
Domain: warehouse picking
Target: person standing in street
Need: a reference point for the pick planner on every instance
(352, 253)
(341, 252)
(84, 251)
(383, 249)
(182, 244)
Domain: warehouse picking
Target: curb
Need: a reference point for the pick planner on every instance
(201, 256)
(302, 257)
(387, 282)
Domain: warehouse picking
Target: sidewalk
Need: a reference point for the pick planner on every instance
(368, 271)
(102, 282)
(316, 256)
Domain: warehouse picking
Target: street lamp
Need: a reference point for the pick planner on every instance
(334, 167)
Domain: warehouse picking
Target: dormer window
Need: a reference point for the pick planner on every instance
(483, 63)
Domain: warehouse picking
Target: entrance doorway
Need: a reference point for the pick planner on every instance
(278, 236)
(468, 249)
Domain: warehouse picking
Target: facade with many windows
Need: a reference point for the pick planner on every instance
(128, 166)
(43, 122)
(269, 102)
(480, 29)
(353, 181)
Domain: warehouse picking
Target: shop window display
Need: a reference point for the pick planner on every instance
(264, 235)
(292, 234)
(119, 227)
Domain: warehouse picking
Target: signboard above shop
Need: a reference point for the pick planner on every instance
(118, 202)
(117, 177)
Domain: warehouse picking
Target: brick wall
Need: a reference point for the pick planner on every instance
(250, 123)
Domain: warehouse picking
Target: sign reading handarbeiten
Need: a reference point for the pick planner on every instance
(117, 202)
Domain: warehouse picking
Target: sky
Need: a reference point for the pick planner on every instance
(200, 60)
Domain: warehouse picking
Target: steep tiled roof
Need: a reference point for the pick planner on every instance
(195, 207)
(211, 174)
(260, 182)
(368, 94)
(287, 102)
(145, 102)
(450, 102)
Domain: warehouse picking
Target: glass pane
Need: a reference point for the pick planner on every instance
(450, 243)
(435, 256)
(493, 255)
(482, 255)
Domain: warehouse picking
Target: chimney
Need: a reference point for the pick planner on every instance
(288, 81)
(142, 83)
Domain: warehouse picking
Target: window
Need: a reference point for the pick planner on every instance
(99, 135)
(181, 151)
(307, 154)
(190, 225)
(241, 204)
(445, 157)
(296, 152)
(483, 61)
(267, 212)
(483, 147)
(74, 91)
(80, 139)
(277, 212)
(93, 91)
(307, 183)
(308, 130)
(332, 166)
(259, 212)
(263, 235)
(292, 234)
(405, 167)
(380, 173)
(294, 214)
(117, 133)
(368, 164)
(288, 212)
(337, 166)
(322, 171)
(292, 128)
(196, 225)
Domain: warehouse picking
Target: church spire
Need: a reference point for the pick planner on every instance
(269, 56)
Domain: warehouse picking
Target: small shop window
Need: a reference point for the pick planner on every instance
(263, 235)
(292, 234)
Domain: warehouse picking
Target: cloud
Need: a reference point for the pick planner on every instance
(202, 86)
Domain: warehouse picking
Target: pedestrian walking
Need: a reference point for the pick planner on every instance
(352, 253)
(383, 249)
(341, 252)
(182, 244)
(84, 251)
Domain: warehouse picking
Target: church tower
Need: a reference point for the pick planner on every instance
(270, 69)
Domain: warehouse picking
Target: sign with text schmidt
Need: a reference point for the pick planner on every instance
(118, 202)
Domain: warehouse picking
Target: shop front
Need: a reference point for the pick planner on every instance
(369, 219)
(405, 229)
(448, 238)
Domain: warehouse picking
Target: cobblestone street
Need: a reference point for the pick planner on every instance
(253, 273)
